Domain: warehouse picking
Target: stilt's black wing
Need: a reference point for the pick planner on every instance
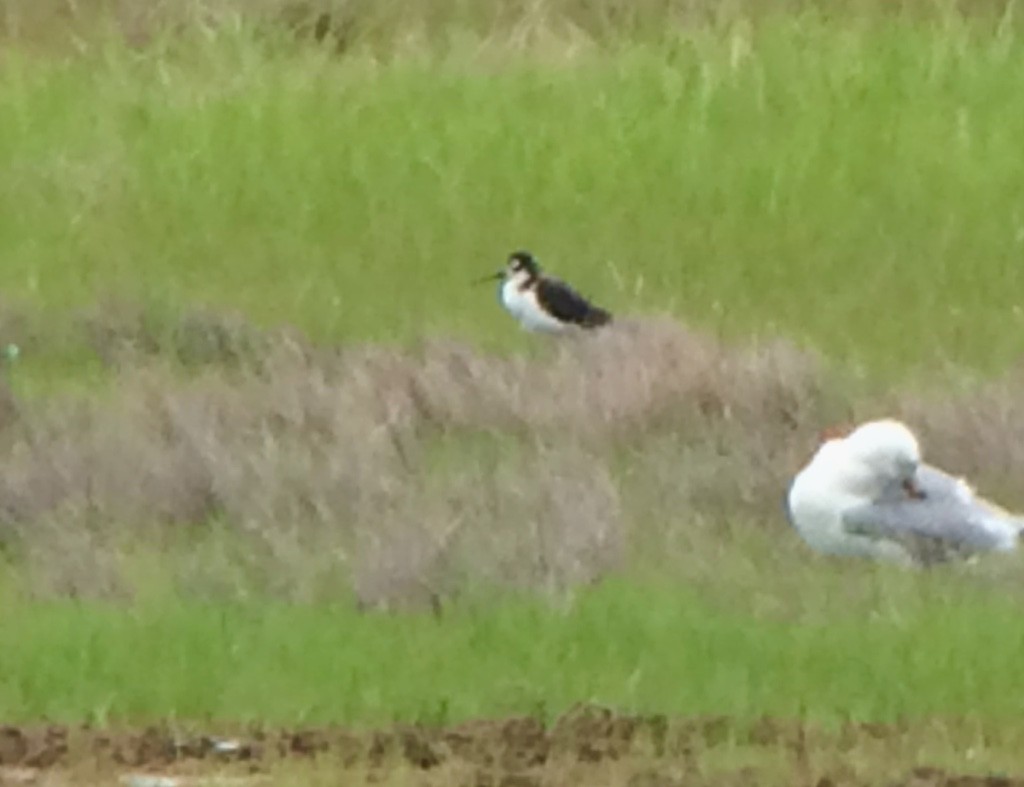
(559, 299)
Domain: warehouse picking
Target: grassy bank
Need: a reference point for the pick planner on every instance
(852, 184)
(444, 534)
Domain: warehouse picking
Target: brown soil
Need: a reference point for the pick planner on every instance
(589, 745)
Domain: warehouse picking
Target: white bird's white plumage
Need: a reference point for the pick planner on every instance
(869, 494)
(833, 481)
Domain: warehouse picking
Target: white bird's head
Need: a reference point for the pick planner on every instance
(887, 453)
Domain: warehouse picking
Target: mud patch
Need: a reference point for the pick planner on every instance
(588, 745)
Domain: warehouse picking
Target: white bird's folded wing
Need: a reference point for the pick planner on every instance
(947, 521)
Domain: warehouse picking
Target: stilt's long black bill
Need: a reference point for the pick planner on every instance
(491, 277)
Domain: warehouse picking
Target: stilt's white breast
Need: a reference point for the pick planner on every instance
(522, 304)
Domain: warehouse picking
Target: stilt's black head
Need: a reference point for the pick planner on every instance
(523, 261)
(521, 266)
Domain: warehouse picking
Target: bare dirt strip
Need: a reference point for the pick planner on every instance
(588, 746)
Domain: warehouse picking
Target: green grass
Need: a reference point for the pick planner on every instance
(854, 186)
(909, 647)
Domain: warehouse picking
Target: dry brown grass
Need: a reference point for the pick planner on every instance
(409, 475)
(258, 463)
(398, 24)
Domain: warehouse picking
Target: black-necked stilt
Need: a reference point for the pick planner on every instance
(543, 303)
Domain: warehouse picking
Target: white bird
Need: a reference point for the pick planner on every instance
(542, 303)
(869, 494)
